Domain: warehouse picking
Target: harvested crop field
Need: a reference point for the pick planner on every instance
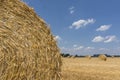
(91, 69)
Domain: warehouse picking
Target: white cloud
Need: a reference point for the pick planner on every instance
(106, 39)
(78, 48)
(81, 23)
(98, 39)
(90, 48)
(57, 37)
(110, 39)
(103, 28)
(83, 48)
(62, 47)
(103, 49)
(74, 45)
(71, 9)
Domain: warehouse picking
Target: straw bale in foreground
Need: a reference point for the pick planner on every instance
(27, 48)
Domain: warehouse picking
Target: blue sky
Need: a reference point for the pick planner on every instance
(82, 26)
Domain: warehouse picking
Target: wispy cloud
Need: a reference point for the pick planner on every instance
(74, 45)
(83, 48)
(72, 9)
(110, 39)
(103, 49)
(57, 38)
(79, 48)
(81, 23)
(98, 39)
(89, 48)
(103, 28)
(106, 39)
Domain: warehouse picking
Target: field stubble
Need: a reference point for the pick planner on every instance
(94, 69)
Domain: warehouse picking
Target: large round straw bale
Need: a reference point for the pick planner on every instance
(28, 50)
(102, 57)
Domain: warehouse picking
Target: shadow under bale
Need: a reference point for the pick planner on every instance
(28, 50)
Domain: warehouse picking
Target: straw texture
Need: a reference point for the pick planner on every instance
(28, 50)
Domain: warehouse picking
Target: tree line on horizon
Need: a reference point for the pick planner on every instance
(94, 55)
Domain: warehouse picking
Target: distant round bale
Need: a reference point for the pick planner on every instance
(112, 56)
(68, 56)
(73, 57)
(102, 57)
(88, 57)
(28, 50)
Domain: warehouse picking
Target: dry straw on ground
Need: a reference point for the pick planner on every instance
(102, 57)
(27, 48)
